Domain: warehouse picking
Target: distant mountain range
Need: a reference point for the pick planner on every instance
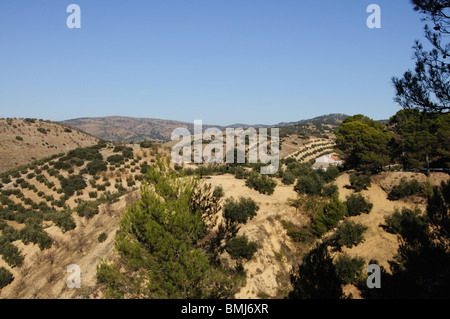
(131, 129)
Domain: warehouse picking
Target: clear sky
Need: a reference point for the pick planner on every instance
(220, 61)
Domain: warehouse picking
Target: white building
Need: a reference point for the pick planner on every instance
(325, 161)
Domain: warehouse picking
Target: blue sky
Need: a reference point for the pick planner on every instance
(221, 61)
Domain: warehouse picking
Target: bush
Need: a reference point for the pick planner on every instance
(93, 194)
(87, 209)
(405, 188)
(63, 220)
(96, 166)
(11, 254)
(349, 269)
(357, 204)
(359, 182)
(239, 247)
(349, 234)
(218, 192)
(102, 237)
(5, 277)
(309, 185)
(19, 138)
(261, 183)
(72, 184)
(34, 233)
(329, 190)
(115, 159)
(239, 211)
(288, 178)
(42, 130)
(328, 216)
(408, 222)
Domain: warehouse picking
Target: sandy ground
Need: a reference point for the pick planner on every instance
(266, 273)
(44, 274)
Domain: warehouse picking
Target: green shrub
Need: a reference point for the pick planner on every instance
(87, 209)
(288, 178)
(11, 254)
(357, 204)
(102, 237)
(42, 130)
(262, 183)
(329, 190)
(19, 138)
(93, 194)
(63, 220)
(349, 234)
(96, 166)
(5, 277)
(328, 216)
(349, 269)
(115, 159)
(72, 184)
(407, 222)
(239, 211)
(405, 188)
(33, 232)
(218, 192)
(239, 247)
(359, 182)
(309, 185)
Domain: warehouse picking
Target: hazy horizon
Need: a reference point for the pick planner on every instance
(252, 62)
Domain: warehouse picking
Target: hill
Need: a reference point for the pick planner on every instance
(25, 140)
(131, 129)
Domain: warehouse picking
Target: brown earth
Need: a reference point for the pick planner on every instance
(34, 144)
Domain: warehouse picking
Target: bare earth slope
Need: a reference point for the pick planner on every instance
(21, 142)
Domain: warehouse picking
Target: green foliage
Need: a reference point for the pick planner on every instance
(288, 178)
(42, 130)
(33, 232)
(405, 222)
(87, 209)
(62, 219)
(218, 192)
(72, 183)
(102, 237)
(10, 253)
(5, 277)
(349, 269)
(349, 234)
(93, 194)
(421, 268)
(87, 154)
(405, 188)
(421, 139)
(360, 182)
(115, 159)
(240, 247)
(158, 243)
(309, 185)
(96, 166)
(298, 234)
(261, 183)
(239, 211)
(316, 277)
(19, 138)
(328, 216)
(364, 143)
(357, 204)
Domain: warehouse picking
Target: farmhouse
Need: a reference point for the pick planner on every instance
(325, 161)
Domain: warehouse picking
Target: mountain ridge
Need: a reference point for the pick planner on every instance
(135, 129)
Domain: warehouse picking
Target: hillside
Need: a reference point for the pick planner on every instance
(127, 129)
(25, 140)
(131, 129)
